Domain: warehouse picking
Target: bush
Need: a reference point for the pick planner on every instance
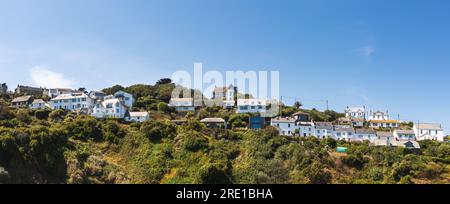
(23, 115)
(156, 130)
(42, 114)
(194, 141)
(85, 128)
(57, 115)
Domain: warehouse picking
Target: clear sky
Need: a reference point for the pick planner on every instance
(388, 55)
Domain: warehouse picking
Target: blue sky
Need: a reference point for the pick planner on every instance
(384, 54)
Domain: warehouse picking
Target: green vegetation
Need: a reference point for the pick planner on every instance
(45, 146)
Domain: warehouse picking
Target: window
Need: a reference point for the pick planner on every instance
(117, 111)
(289, 125)
(83, 99)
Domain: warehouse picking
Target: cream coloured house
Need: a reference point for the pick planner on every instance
(429, 131)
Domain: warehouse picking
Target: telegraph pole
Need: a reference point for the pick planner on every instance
(280, 105)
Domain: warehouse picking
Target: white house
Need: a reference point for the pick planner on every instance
(73, 102)
(343, 132)
(110, 108)
(364, 134)
(39, 104)
(323, 129)
(429, 131)
(384, 123)
(286, 126)
(404, 134)
(355, 112)
(357, 122)
(52, 93)
(225, 95)
(214, 122)
(379, 115)
(126, 98)
(138, 117)
(97, 95)
(182, 104)
(306, 129)
(251, 106)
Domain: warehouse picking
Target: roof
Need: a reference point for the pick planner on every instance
(282, 120)
(365, 131)
(112, 101)
(384, 134)
(69, 96)
(429, 126)
(355, 109)
(380, 142)
(300, 113)
(138, 114)
(38, 101)
(21, 99)
(357, 119)
(384, 121)
(121, 93)
(324, 125)
(223, 89)
(410, 132)
(406, 144)
(212, 120)
(379, 113)
(343, 119)
(343, 128)
(181, 99)
(254, 102)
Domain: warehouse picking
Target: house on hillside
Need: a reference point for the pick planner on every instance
(343, 132)
(22, 101)
(126, 98)
(225, 96)
(285, 126)
(306, 129)
(138, 117)
(97, 95)
(78, 102)
(384, 123)
(52, 93)
(251, 106)
(409, 144)
(301, 116)
(357, 122)
(355, 112)
(182, 104)
(429, 131)
(214, 122)
(110, 108)
(39, 104)
(404, 135)
(379, 115)
(364, 134)
(28, 90)
(323, 129)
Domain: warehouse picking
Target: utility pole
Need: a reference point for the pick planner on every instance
(280, 105)
(328, 108)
